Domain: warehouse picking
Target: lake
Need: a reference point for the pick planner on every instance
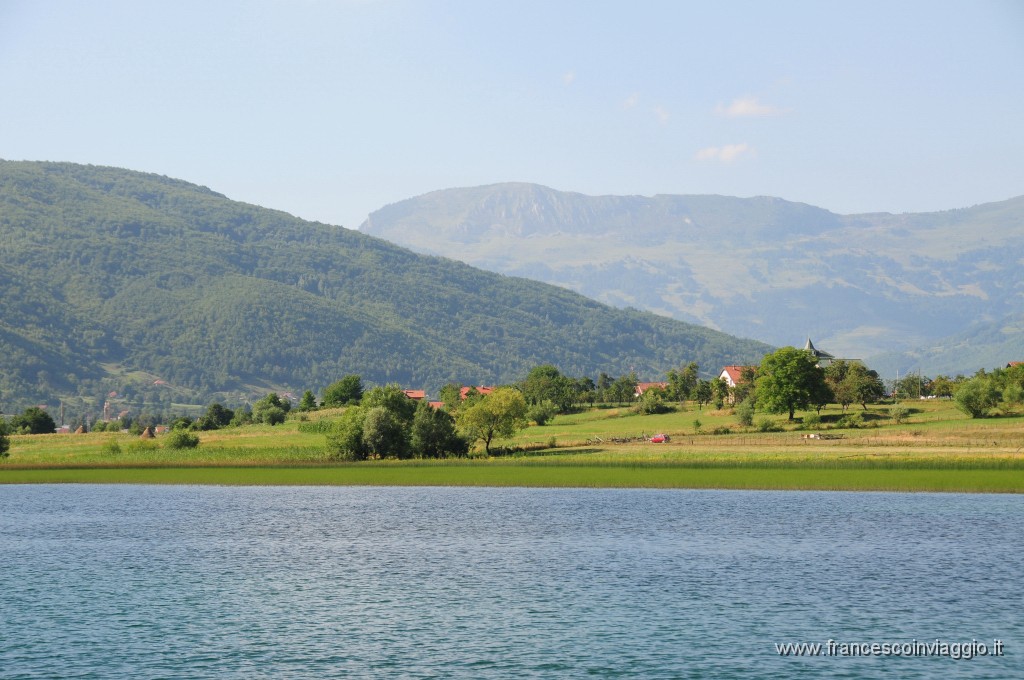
(310, 582)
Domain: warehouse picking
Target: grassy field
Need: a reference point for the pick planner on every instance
(937, 449)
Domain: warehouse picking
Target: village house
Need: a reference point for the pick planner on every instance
(415, 395)
(482, 389)
(733, 375)
(824, 358)
(642, 387)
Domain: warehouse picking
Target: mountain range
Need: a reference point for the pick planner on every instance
(941, 291)
(153, 292)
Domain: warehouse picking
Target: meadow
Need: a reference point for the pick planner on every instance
(935, 449)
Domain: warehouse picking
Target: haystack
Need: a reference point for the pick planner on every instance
(147, 433)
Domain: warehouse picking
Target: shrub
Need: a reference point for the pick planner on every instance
(345, 439)
(851, 421)
(697, 425)
(812, 420)
(541, 413)
(976, 396)
(243, 416)
(652, 403)
(181, 439)
(5, 441)
(898, 413)
(767, 425)
(745, 413)
(182, 423)
(721, 430)
(272, 415)
(111, 448)
(271, 409)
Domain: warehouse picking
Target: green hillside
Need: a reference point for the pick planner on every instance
(165, 292)
(861, 285)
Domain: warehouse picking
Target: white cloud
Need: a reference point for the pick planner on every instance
(746, 107)
(662, 114)
(724, 154)
(568, 77)
(631, 101)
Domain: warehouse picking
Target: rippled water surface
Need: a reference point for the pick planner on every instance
(212, 582)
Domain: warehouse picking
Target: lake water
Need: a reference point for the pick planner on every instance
(228, 582)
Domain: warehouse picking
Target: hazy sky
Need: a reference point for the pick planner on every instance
(330, 110)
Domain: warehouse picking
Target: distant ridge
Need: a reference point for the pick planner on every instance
(759, 267)
(151, 291)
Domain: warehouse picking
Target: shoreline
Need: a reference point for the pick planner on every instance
(542, 476)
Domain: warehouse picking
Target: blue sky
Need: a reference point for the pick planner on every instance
(330, 110)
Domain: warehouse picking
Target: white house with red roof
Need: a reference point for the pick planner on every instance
(732, 375)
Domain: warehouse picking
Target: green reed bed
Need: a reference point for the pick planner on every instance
(536, 474)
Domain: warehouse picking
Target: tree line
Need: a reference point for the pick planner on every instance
(384, 422)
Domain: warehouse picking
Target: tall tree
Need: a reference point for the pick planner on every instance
(788, 379)
(34, 420)
(348, 390)
(385, 434)
(683, 383)
(451, 396)
(345, 441)
(392, 398)
(546, 383)
(744, 389)
(703, 393)
(433, 433)
(498, 414)
(5, 441)
(624, 388)
(308, 401)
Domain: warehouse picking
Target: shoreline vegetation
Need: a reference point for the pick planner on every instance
(935, 449)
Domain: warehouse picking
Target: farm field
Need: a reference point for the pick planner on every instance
(936, 449)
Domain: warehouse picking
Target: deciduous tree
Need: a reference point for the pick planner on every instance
(348, 390)
(34, 420)
(498, 414)
(385, 433)
(788, 379)
(5, 440)
(976, 396)
(433, 434)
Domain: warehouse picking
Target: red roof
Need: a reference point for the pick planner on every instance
(1015, 363)
(436, 404)
(481, 389)
(642, 387)
(415, 394)
(733, 373)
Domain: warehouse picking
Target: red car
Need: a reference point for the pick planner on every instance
(659, 439)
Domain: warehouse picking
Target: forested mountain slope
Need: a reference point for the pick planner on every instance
(756, 267)
(119, 281)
